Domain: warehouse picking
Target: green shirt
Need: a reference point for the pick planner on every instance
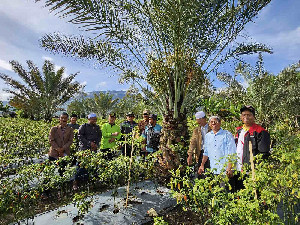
(107, 130)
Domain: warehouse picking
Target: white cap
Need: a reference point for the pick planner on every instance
(200, 115)
(92, 115)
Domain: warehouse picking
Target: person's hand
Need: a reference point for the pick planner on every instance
(112, 139)
(201, 170)
(229, 173)
(115, 134)
(190, 160)
(93, 146)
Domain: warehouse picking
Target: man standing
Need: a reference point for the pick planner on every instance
(218, 145)
(197, 141)
(89, 134)
(110, 134)
(152, 135)
(143, 123)
(73, 121)
(61, 138)
(126, 128)
(250, 132)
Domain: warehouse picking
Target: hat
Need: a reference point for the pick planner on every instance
(130, 114)
(249, 108)
(200, 115)
(153, 116)
(92, 115)
(146, 111)
(112, 114)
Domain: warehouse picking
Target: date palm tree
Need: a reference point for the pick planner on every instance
(170, 45)
(40, 95)
(103, 103)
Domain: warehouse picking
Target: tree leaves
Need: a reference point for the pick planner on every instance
(41, 95)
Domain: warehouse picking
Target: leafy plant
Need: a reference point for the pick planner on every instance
(41, 94)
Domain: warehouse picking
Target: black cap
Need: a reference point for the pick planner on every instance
(249, 108)
(153, 116)
(130, 114)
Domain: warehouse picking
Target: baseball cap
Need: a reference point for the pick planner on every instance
(249, 108)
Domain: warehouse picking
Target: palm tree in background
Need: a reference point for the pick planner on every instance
(40, 95)
(103, 103)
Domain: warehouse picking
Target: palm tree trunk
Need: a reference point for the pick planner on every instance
(175, 131)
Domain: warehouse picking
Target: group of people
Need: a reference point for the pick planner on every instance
(211, 146)
(91, 136)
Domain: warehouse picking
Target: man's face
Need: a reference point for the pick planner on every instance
(63, 119)
(130, 118)
(201, 122)
(152, 121)
(146, 116)
(214, 124)
(247, 118)
(93, 120)
(73, 120)
(111, 119)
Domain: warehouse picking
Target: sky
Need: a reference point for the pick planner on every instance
(24, 22)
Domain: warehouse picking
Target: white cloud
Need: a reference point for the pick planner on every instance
(35, 16)
(47, 58)
(5, 65)
(286, 44)
(83, 83)
(102, 84)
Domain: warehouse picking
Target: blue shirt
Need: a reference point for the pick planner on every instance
(152, 135)
(217, 146)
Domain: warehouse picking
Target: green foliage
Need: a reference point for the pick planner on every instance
(220, 104)
(79, 105)
(102, 104)
(133, 101)
(82, 202)
(23, 180)
(159, 220)
(42, 94)
(276, 180)
(276, 98)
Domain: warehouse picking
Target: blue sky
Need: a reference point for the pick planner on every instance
(23, 23)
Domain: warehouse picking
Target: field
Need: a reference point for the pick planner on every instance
(26, 175)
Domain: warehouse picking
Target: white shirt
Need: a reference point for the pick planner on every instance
(240, 149)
